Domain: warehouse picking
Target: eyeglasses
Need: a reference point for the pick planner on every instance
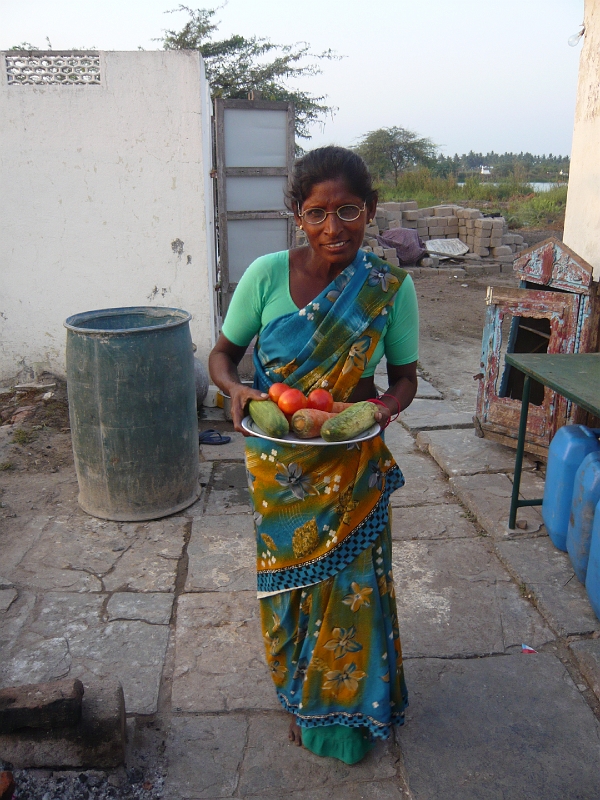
(315, 216)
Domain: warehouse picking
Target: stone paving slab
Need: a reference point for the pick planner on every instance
(425, 483)
(87, 555)
(222, 554)
(150, 563)
(249, 756)
(532, 485)
(455, 599)
(500, 728)
(487, 496)
(272, 766)
(431, 522)
(232, 451)
(15, 548)
(399, 441)
(66, 635)
(434, 415)
(547, 573)
(219, 656)
(35, 660)
(14, 619)
(425, 391)
(228, 490)
(155, 607)
(368, 790)
(204, 477)
(131, 651)
(204, 755)
(587, 655)
(463, 453)
(7, 598)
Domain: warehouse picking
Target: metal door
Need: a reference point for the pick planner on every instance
(254, 152)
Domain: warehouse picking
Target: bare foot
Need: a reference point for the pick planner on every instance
(295, 733)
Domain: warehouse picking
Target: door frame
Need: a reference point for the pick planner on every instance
(225, 287)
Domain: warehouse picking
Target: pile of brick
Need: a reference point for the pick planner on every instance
(487, 236)
(436, 222)
(387, 253)
(484, 236)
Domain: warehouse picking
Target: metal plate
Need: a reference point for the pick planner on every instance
(252, 428)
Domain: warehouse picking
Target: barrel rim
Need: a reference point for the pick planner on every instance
(71, 323)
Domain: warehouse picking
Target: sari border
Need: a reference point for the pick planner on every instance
(328, 564)
(377, 728)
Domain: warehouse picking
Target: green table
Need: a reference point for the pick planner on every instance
(574, 376)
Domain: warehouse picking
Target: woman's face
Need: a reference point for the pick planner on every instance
(334, 241)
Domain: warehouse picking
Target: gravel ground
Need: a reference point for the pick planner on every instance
(130, 784)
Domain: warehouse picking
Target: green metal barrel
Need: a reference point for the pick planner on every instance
(132, 405)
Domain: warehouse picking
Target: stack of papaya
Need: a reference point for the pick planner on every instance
(310, 416)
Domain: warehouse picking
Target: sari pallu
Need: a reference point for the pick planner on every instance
(322, 519)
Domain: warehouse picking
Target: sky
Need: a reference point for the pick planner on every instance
(470, 74)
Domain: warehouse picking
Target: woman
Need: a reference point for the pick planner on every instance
(325, 315)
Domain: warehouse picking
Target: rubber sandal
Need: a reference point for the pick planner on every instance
(213, 437)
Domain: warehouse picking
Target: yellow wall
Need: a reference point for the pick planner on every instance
(582, 222)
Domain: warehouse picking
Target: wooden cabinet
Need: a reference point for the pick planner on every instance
(556, 310)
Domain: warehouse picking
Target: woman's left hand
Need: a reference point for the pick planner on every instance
(382, 416)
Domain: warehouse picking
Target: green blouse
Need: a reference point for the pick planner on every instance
(263, 294)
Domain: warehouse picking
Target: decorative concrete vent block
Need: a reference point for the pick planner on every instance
(55, 68)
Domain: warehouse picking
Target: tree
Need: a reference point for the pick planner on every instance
(238, 65)
(392, 150)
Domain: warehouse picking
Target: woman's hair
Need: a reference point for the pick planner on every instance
(328, 164)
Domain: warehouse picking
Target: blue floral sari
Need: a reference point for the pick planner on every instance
(322, 520)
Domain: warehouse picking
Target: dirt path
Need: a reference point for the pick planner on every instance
(452, 312)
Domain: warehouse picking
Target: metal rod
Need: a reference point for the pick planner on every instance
(512, 517)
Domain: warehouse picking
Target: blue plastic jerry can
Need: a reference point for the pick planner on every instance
(586, 494)
(592, 578)
(570, 445)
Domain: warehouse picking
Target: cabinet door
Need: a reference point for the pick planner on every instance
(519, 321)
(254, 149)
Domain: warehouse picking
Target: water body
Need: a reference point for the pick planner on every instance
(535, 185)
(545, 187)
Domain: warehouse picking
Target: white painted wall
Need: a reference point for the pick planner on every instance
(582, 220)
(106, 201)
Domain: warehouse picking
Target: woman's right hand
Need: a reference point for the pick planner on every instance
(241, 394)
(222, 365)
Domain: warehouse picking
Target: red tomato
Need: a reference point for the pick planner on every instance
(320, 399)
(291, 401)
(276, 390)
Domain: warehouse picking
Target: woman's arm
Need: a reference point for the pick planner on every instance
(401, 392)
(222, 365)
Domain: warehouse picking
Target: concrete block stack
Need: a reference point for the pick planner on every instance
(387, 253)
(389, 215)
(515, 242)
(487, 236)
(436, 222)
(396, 209)
(484, 231)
